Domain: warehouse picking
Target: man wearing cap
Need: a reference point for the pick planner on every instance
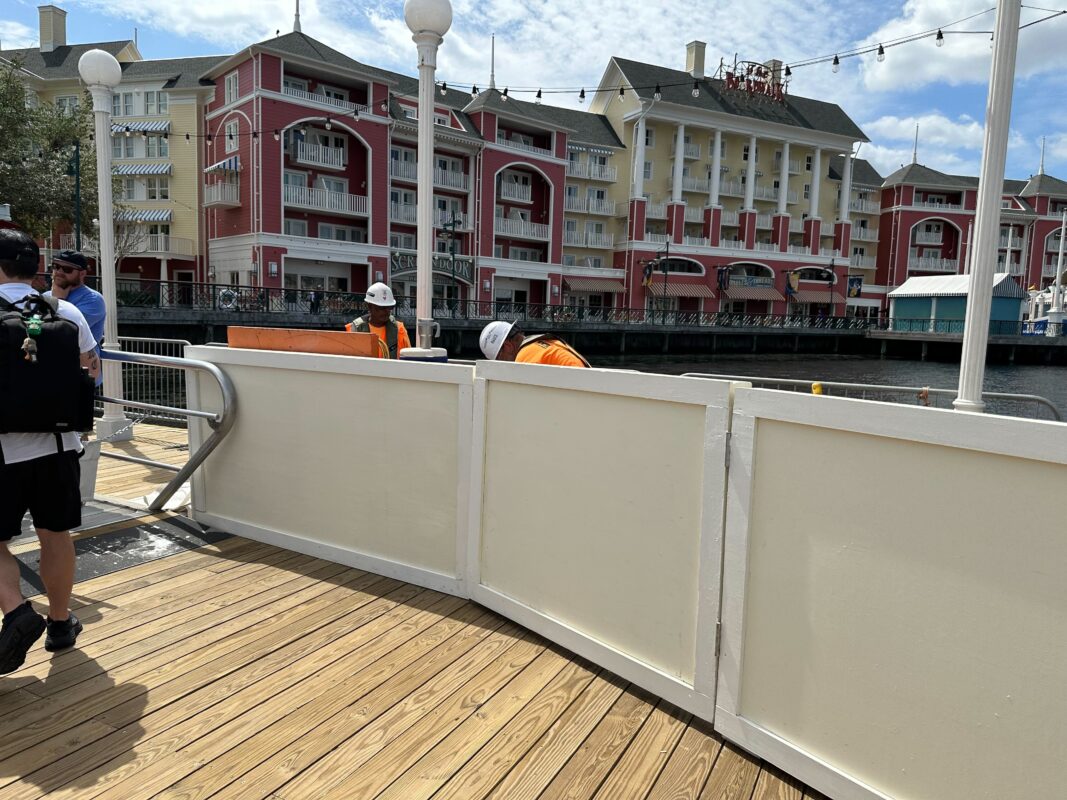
(502, 341)
(379, 320)
(68, 283)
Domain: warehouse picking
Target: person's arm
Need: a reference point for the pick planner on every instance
(402, 340)
(86, 343)
(91, 362)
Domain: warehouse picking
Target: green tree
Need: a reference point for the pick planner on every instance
(37, 142)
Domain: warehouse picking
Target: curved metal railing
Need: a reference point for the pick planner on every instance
(220, 421)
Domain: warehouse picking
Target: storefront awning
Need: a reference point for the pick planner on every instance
(594, 285)
(144, 215)
(816, 296)
(753, 293)
(141, 169)
(231, 164)
(151, 126)
(682, 290)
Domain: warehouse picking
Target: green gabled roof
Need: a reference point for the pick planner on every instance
(179, 73)
(799, 112)
(863, 173)
(303, 46)
(1044, 185)
(61, 63)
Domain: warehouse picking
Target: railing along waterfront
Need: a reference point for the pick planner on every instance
(955, 326)
(152, 384)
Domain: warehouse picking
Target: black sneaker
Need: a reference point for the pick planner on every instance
(17, 637)
(62, 635)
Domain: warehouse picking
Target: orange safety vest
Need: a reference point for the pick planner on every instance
(392, 332)
(544, 348)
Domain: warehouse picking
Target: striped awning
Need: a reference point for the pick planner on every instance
(815, 296)
(677, 289)
(144, 215)
(141, 169)
(152, 126)
(594, 285)
(231, 164)
(753, 293)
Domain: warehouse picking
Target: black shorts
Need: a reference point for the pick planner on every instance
(48, 487)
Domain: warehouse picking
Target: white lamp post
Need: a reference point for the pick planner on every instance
(987, 213)
(1055, 314)
(101, 73)
(429, 21)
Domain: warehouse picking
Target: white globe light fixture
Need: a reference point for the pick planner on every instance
(101, 73)
(429, 21)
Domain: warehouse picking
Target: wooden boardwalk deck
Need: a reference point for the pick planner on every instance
(122, 480)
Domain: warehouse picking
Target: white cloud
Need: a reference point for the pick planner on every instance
(934, 129)
(15, 35)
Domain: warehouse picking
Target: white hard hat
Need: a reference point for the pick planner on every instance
(493, 337)
(380, 295)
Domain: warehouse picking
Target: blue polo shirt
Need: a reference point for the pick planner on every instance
(91, 303)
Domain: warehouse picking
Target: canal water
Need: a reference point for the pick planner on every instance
(1046, 381)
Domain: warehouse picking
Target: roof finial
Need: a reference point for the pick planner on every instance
(492, 62)
(915, 149)
(296, 21)
(1041, 166)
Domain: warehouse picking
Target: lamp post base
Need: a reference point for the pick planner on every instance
(438, 354)
(1055, 323)
(968, 405)
(108, 427)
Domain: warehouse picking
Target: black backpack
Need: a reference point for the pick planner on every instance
(43, 387)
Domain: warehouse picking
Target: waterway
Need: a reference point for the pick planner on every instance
(1046, 381)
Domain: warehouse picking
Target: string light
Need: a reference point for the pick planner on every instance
(940, 39)
(474, 91)
(444, 89)
(881, 53)
(329, 124)
(622, 94)
(209, 139)
(581, 96)
(127, 131)
(788, 72)
(658, 94)
(504, 96)
(537, 99)
(837, 64)
(230, 136)
(277, 135)
(186, 137)
(696, 89)
(255, 135)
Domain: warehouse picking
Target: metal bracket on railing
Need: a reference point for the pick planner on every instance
(220, 421)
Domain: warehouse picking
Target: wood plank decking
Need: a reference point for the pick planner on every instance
(122, 480)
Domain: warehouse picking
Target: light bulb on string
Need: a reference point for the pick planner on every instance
(127, 131)
(329, 124)
(537, 98)
(696, 89)
(210, 138)
(788, 72)
(186, 137)
(658, 94)
(504, 96)
(277, 135)
(444, 89)
(836, 64)
(474, 91)
(581, 96)
(939, 40)
(622, 94)
(881, 53)
(255, 136)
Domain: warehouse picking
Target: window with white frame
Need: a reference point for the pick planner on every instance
(121, 146)
(339, 185)
(498, 251)
(594, 261)
(744, 153)
(127, 189)
(442, 119)
(807, 163)
(233, 130)
(598, 161)
(157, 188)
(341, 233)
(525, 254)
(156, 103)
(291, 178)
(650, 136)
(297, 84)
(722, 147)
(648, 170)
(594, 228)
(807, 191)
(67, 105)
(128, 108)
(156, 147)
(295, 227)
(232, 88)
(568, 260)
(333, 92)
(402, 241)
(116, 104)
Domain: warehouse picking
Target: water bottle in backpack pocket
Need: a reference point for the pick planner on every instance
(43, 387)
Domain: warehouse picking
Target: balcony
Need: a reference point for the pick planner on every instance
(937, 206)
(865, 234)
(222, 195)
(579, 204)
(695, 241)
(602, 172)
(730, 219)
(576, 169)
(526, 148)
(156, 244)
(694, 214)
(863, 262)
(1015, 268)
(657, 238)
(404, 213)
(690, 151)
(521, 229)
(656, 211)
(605, 207)
(441, 218)
(865, 207)
(923, 237)
(764, 221)
(451, 179)
(341, 203)
(732, 244)
(759, 192)
(767, 247)
(316, 155)
(933, 264)
(574, 238)
(796, 226)
(827, 252)
(1049, 269)
(323, 100)
(516, 192)
(794, 166)
(1015, 242)
(404, 170)
(798, 250)
(600, 240)
(691, 184)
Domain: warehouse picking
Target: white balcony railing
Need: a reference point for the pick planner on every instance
(300, 94)
(317, 155)
(148, 244)
(689, 150)
(691, 184)
(600, 240)
(576, 169)
(695, 241)
(865, 234)
(694, 214)
(656, 211)
(602, 207)
(732, 244)
(937, 206)
(526, 148)
(796, 226)
(767, 247)
(924, 237)
(222, 194)
(657, 238)
(798, 250)
(863, 262)
(602, 172)
(521, 228)
(1049, 269)
(403, 212)
(933, 264)
(764, 221)
(794, 166)
(865, 207)
(759, 191)
(441, 218)
(325, 200)
(828, 252)
(404, 170)
(579, 204)
(518, 192)
(731, 218)
(451, 179)
(574, 238)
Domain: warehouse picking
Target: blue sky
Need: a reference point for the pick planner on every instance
(562, 43)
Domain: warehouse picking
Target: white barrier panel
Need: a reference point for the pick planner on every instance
(599, 520)
(894, 598)
(361, 461)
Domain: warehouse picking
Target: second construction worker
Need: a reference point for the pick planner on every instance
(502, 341)
(379, 320)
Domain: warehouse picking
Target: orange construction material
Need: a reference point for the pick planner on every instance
(332, 343)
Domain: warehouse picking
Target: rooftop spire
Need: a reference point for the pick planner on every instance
(296, 20)
(915, 149)
(492, 62)
(1041, 166)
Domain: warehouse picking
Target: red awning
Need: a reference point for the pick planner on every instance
(753, 293)
(678, 289)
(815, 296)
(594, 285)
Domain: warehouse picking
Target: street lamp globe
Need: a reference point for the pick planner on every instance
(99, 68)
(428, 16)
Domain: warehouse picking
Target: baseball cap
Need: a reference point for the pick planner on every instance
(493, 337)
(71, 258)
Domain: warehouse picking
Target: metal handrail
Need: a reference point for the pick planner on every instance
(918, 391)
(221, 421)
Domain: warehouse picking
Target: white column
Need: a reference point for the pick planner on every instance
(816, 183)
(987, 213)
(716, 170)
(427, 44)
(164, 278)
(1055, 314)
(638, 182)
(846, 189)
(679, 164)
(750, 176)
(932, 327)
(783, 179)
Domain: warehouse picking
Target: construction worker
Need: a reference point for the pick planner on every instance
(379, 320)
(502, 341)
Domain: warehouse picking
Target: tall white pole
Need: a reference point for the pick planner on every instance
(1055, 314)
(987, 213)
